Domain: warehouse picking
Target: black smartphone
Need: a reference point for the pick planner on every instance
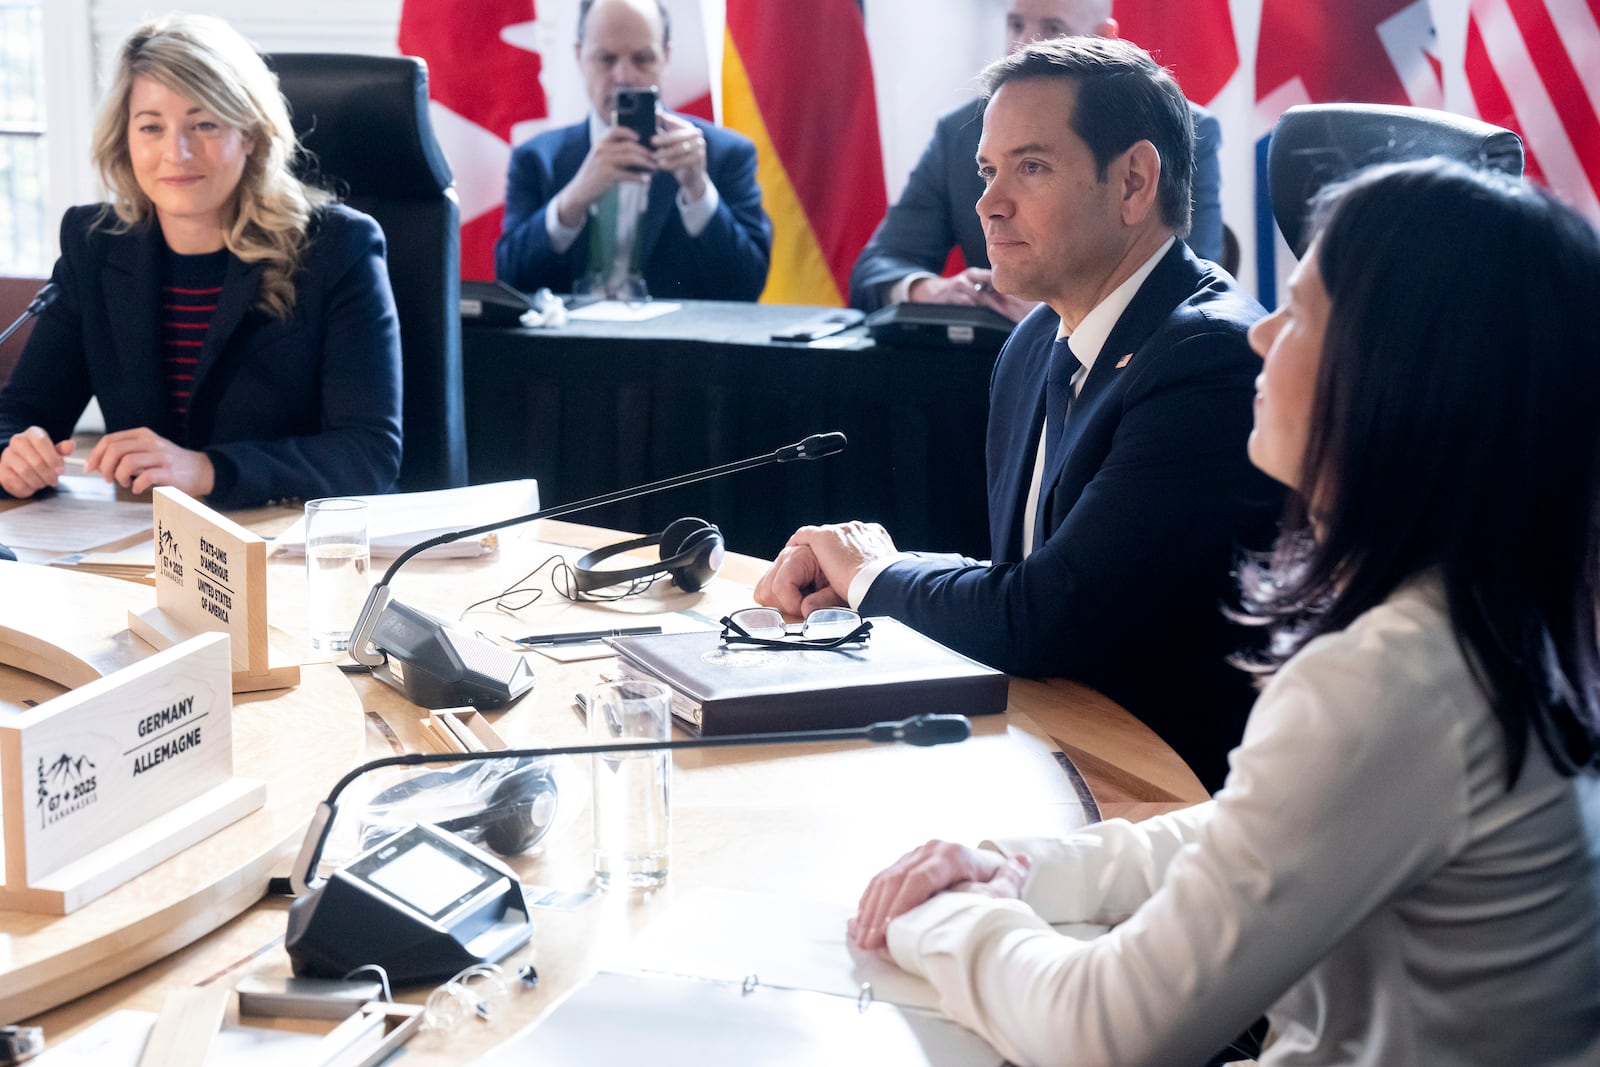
(636, 109)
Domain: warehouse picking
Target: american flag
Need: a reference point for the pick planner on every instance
(1533, 66)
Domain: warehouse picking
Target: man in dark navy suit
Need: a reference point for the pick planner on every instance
(934, 213)
(693, 221)
(1119, 488)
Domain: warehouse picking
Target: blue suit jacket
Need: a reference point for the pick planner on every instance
(1145, 503)
(935, 212)
(301, 407)
(727, 261)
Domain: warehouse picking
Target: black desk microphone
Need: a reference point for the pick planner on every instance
(440, 664)
(42, 299)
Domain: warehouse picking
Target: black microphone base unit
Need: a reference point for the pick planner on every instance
(421, 904)
(437, 664)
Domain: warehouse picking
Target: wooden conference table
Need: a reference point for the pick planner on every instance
(808, 821)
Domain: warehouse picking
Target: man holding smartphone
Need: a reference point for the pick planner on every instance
(681, 207)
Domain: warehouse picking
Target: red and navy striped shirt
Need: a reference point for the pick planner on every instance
(190, 286)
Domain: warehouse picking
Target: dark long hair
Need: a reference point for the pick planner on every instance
(1456, 430)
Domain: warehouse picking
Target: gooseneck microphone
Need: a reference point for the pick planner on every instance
(816, 446)
(42, 299)
(921, 730)
(439, 664)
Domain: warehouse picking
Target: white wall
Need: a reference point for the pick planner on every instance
(81, 37)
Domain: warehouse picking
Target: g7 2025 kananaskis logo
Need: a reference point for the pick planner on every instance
(168, 557)
(65, 786)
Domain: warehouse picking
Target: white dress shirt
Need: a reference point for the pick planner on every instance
(1364, 876)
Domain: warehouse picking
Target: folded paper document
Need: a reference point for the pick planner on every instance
(396, 521)
(896, 673)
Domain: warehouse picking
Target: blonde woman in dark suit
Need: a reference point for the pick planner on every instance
(236, 325)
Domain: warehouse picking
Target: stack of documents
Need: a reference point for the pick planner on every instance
(136, 563)
(396, 521)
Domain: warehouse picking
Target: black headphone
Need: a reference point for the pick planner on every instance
(520, 807)
(691, 552)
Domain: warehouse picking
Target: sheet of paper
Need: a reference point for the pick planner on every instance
(396, 521)
(115, 1041)
(118, 1040)
(629, 1019)
(793, 942)
(83, 513)
(621, 311)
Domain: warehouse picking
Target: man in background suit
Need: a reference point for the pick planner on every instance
(1119, 485)
(703, 233)
(934, 214)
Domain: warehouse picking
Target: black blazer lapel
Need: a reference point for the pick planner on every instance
(1015, 420)
(131, 288)
(240, 287)
(1173, 280)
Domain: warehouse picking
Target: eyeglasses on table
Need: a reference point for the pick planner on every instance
(825, 628)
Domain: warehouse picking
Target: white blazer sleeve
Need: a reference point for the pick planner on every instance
(1349, 786)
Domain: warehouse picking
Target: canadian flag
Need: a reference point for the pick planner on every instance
(482, 87)
(499, 72)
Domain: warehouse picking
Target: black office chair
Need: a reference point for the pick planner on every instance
(1230, 251)
(364, 121)
(1316, 144)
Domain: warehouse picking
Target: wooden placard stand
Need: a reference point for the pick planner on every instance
(104, 782)
(211, 576)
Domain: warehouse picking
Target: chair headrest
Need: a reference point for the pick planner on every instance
(364, 120)
(1315, 145)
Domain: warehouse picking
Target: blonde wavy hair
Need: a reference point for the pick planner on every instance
(206, 60)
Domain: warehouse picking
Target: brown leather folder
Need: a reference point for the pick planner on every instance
(896, 673)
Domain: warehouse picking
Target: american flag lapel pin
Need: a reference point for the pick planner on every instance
(1123, 362)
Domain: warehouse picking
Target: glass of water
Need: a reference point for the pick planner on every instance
(632, 790)
(336, 569)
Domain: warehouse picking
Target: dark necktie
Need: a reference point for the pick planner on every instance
(1057, 402)
(1057, 398)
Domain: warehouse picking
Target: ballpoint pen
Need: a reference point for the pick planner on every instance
(585, 636)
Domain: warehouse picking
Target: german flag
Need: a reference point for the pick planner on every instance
(797, 80)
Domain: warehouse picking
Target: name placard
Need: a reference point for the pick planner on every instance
(106, 781)
(211, 576)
